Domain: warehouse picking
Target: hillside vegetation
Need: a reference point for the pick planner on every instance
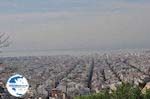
(124, 91)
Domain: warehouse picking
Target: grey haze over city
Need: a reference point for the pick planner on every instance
(69, 48)
(76, 24)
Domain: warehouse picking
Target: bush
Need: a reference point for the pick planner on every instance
(124, 91)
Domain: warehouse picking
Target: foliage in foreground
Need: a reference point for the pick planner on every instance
(124, 91)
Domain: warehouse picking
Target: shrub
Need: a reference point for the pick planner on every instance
(124, 91)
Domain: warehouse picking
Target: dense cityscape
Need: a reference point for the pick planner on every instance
(67, 76)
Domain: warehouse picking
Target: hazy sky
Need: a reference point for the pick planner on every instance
(67, 24)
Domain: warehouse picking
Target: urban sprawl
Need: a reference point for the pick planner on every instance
(67, 76)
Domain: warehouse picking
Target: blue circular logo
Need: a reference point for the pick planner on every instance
(17, 85)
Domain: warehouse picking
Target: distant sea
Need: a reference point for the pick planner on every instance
(15, 53)
(46, 52)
